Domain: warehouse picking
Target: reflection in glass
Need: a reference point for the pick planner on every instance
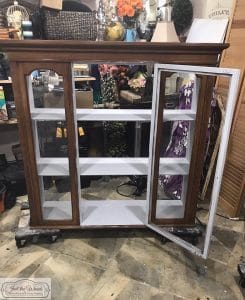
(170, 187)
(113, 86)
(47, 88)
(52, 138)
(113, 139)
(179, 89)
(56, 197)
(170, 193)
(113, 187)
(175, 139)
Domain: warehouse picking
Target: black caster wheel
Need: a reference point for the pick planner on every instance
(194, 241)
(164, 240)
(242, 283)
(35, 239)
(20, 243)
(53, 238)
(201, 270)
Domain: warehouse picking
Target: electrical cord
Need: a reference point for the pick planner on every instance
(200, 222)
(123, 184)
(223, 216)
(130, 183)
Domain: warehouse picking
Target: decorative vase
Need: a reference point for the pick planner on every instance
(130, 35)
(114, 31)
(130, 29)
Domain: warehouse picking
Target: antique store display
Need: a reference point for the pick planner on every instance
(113, 20)
(114, 133)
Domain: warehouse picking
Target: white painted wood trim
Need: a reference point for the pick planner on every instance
(195, 97)
(213, 71)
(152, 146)
(30, 92)
(230, 107)
(176, 239)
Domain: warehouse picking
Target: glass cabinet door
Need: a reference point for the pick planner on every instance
(178, 141)
(172, 132)
(51, 110)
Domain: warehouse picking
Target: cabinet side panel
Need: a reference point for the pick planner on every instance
(27, 143)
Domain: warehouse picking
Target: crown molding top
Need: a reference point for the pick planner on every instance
(76, 50)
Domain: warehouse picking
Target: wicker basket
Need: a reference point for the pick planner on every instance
(69, 25)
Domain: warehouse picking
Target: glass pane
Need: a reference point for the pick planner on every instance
(113, 187)
(113, 200)
(179, 91)
(170, 188)
(56, 197)
(176, 138)
(52, 138)
(113, 139)
(113, 86)
(47, 89)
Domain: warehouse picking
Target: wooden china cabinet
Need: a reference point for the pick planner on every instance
(50, 210)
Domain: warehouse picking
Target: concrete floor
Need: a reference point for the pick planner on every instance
(126, 265)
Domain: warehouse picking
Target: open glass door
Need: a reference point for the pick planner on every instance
(180, 116)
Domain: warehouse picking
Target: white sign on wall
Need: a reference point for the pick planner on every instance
(218, 9)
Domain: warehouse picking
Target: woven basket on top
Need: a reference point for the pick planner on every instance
(69, 25)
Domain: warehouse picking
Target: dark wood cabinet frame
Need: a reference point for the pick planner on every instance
(198, 151)
(26, 56)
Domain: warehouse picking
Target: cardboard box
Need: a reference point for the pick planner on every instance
(130, 96)
(54, 4)
(84, 99)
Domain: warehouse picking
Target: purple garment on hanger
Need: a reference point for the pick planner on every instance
(172, 185)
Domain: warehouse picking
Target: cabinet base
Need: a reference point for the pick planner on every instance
(26, 234)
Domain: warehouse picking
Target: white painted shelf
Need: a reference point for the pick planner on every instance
(48, 114)
(53, 166)
(110, 212)
(122, 212)
(111, 166)
(6, 81)
(57, 210)
(111, 114)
